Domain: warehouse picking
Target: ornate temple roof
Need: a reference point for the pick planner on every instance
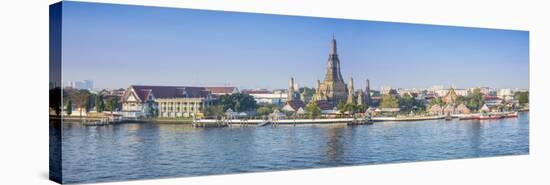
(451, 96)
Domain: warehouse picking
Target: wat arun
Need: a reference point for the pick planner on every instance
(333, 89)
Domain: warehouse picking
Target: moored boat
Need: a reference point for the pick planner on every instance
(491, 116)
(468, 116)
(448, 117)
(511, 115)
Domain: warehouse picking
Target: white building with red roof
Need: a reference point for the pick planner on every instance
(169, 101)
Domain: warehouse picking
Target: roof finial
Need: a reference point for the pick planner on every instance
(333, 45)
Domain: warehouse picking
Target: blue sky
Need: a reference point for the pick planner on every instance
(117, 46)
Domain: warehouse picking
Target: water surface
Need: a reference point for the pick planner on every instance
(149, 150)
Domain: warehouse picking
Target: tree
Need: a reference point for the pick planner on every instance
(264, 111)
(237, 102)
(153, 112)
(522, 97)
(406, 103)
(307, 92)
(69, 108)
(389, 101)
(312, 110)
(78, 97)
(361, 107)
(89, 102)
(214, 111)
(112, 104)
(341, 107)
(475, 99)
(350, 108)
(99, 103)
(436, 101)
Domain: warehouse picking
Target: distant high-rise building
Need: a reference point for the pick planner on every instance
(85, 84)
(88, 84)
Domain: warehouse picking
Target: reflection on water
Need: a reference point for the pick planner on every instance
(147, 150)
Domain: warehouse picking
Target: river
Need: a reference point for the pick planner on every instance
(148, 150)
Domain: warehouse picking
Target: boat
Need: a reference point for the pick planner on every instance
(511, 115)
(448, 117)
(468, 116)
(490, 116)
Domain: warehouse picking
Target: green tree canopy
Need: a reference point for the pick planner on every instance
(308, 92)
(264, 111)
(522, 97)
(214, 111)
(312, 110)
(99, 103)
(389, 101)
(69, 108)
(474, 100)
(341, 107)
(436, 101)
(407, 103)
(79, 98)
(350, 108)
(111, 104)
(237, 102)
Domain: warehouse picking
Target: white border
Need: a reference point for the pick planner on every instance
(24, 80)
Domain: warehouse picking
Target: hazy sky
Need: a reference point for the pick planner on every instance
(117, 46)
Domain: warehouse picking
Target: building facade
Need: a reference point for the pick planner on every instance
(276, 97)
(169, 101)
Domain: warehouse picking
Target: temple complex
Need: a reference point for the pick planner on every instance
(450, 98)
(333, 89)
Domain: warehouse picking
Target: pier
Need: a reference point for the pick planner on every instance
(97, 120)
(275, 122)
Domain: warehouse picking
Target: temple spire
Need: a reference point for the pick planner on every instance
(333, 88)
(350, 92)
(290, 89)
(333, 48)
(367, 94)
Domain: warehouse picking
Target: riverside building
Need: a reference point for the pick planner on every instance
(169, 101)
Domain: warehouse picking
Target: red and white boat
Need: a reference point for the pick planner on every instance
(468, 116)
(511, 115)
(490, 116)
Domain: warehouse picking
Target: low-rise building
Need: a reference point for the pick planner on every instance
(262, 96)
(492, 101)
(169, 101)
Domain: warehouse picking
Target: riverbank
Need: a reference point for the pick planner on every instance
(104, 120)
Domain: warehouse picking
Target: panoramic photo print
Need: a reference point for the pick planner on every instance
(141, 92)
